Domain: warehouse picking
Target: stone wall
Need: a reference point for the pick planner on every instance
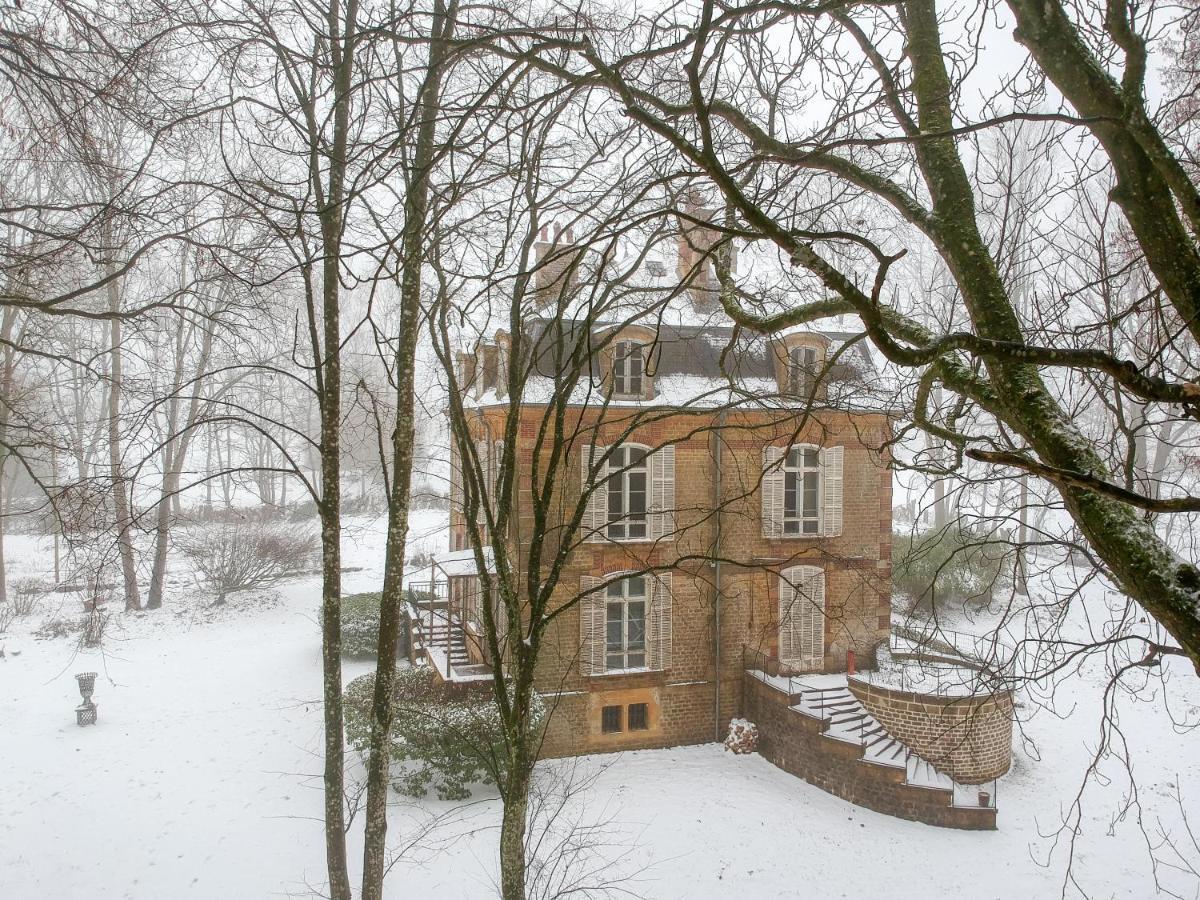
(968, 738)
(794, 742)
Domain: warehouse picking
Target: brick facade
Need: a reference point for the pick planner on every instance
(968, 738)
(742, 592)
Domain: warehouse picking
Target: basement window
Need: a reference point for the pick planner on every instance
(639, 717)
(610, 720)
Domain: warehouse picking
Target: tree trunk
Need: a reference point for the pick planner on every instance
(413, 242)
(512, 832)
(121, 499)
(162, 532)
(341, 36)
(6, 401)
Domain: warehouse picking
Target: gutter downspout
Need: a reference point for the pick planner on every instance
(717, 439)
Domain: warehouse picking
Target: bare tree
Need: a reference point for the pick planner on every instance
(898, 109)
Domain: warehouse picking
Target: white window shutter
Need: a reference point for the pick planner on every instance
(662, 492)
(787, 633)
(659, 624)
(595, 514)
(484, 457)
(772, 492)
(831, 487)
(495, 456)
(802, 617)
(815, 639)
(456, 481)
(591, 626)
(497, 459)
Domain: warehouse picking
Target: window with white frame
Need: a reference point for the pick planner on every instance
(626, 472)
(625, 624)
(802, 491)
(802, 369)
(629, 368)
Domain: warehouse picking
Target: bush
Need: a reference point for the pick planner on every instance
(58, 627)
(247, 555)
(438, 739)
(25, 593)
(742, 737)
(95, 622)
(360, 623)
(948, 565)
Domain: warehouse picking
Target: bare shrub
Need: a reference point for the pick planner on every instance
(247, 555)
(25, 594)
(58, 627)
(8, 615)
(95, 621)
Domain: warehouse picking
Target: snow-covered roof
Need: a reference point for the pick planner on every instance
(656, 280)
(700, 366)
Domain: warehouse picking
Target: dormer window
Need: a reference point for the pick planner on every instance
(629, 369)
(655, 268)
(802, 370)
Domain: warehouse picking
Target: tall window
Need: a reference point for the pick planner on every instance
(802, 369)
(802, 491)
(629, 366)
(625, 624)
(627, 493)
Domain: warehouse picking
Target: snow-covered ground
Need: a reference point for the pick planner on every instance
(202, 780)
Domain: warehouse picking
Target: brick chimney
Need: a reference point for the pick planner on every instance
(556, 263)
(697, 241)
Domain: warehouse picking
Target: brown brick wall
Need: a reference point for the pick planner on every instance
(795, 744)
(857, 567)
(968, 738)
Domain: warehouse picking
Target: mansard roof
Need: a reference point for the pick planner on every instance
(710, 351)
(692, 369)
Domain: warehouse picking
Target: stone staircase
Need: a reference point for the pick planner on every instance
(844, 719)
(816, 729)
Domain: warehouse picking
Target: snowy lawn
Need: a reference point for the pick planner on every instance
(202, 780)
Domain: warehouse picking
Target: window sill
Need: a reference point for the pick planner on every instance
(618, 672)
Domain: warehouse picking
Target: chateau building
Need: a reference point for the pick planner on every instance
(738, 501)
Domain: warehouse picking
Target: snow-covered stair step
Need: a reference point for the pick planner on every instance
(834, 705)
(821, 704)
(849, 717)
(886, 751)
(850, 730)
(920, 773)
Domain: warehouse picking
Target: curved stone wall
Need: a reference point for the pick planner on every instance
(795, 743)
(968, 738)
